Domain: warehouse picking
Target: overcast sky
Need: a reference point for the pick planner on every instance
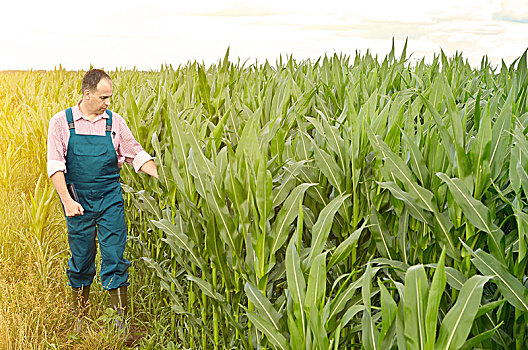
(147, 34)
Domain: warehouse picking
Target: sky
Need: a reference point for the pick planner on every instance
(148, 34)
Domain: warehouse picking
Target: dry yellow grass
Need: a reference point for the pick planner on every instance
(34, 293)
(32, 317)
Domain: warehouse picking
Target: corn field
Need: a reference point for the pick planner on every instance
(343, 203)
(337, 204)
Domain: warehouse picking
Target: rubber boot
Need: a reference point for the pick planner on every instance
(119, 301)
(80, 305)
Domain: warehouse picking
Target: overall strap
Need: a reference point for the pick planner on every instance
(69, 118)
(108, 122)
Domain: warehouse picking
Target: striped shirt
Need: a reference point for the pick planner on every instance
(127, 148)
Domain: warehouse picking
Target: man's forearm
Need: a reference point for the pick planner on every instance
(71, 207)
(150, 168)
(59, 181)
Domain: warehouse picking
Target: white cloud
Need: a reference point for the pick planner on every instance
(513, 10)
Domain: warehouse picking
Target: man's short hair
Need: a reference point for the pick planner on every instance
(92, 78)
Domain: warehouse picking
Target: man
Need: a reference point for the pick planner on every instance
(87, 145)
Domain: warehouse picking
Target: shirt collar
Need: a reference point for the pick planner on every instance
(77, 114)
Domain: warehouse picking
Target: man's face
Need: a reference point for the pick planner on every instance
(98, 101)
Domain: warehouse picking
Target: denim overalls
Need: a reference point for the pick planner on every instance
(91, 164)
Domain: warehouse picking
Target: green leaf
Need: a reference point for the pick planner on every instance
(482, 337)
(322, 226)
(298, 339)
(400, 327)
(177, 240)
(417, 162)
(288, 182)
(264, 195)
(224, 221)
(294, 276)
(370, 333)
(286, 215)
(484, 309)
(416, 292)
(365, 290)
(447, 141)
(263, 305)
(399, 170)
(442, 231)
(433, 302)
(389, 309)
(515, 159)
(267, 329)
(316, 290)
(455, 327)
(329, 168)
(480, 153)
(350, 313)
(318, 330)
(338, 303)
(215, 246)
(510, 287)
(163, 176)
(335, 141)
(176, 306)
(455, 278)
(148, 203)
(500, 143)
(206, 288)
(381, 235)
(462, 164)
(181, 147)
(203, 165)
(410, 203)
(345, 248)
(476, 212)
(402, 238)
(397, 264)
(247, 145)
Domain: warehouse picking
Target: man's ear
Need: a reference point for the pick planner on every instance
(86, 94)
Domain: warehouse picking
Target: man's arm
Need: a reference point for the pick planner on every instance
(150, 168)
(132, 150)
(57, 164)
(71, 207)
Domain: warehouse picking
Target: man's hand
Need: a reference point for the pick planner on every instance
(72, 208)
(150, 168)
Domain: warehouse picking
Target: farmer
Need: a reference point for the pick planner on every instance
(87, 145)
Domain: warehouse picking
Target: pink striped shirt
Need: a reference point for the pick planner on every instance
(127, 148)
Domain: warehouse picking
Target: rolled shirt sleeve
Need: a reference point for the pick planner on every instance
(140, 159)
(54, 166)
(56, 155)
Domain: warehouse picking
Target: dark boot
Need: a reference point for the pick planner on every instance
(119, 301)
(80, 305)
